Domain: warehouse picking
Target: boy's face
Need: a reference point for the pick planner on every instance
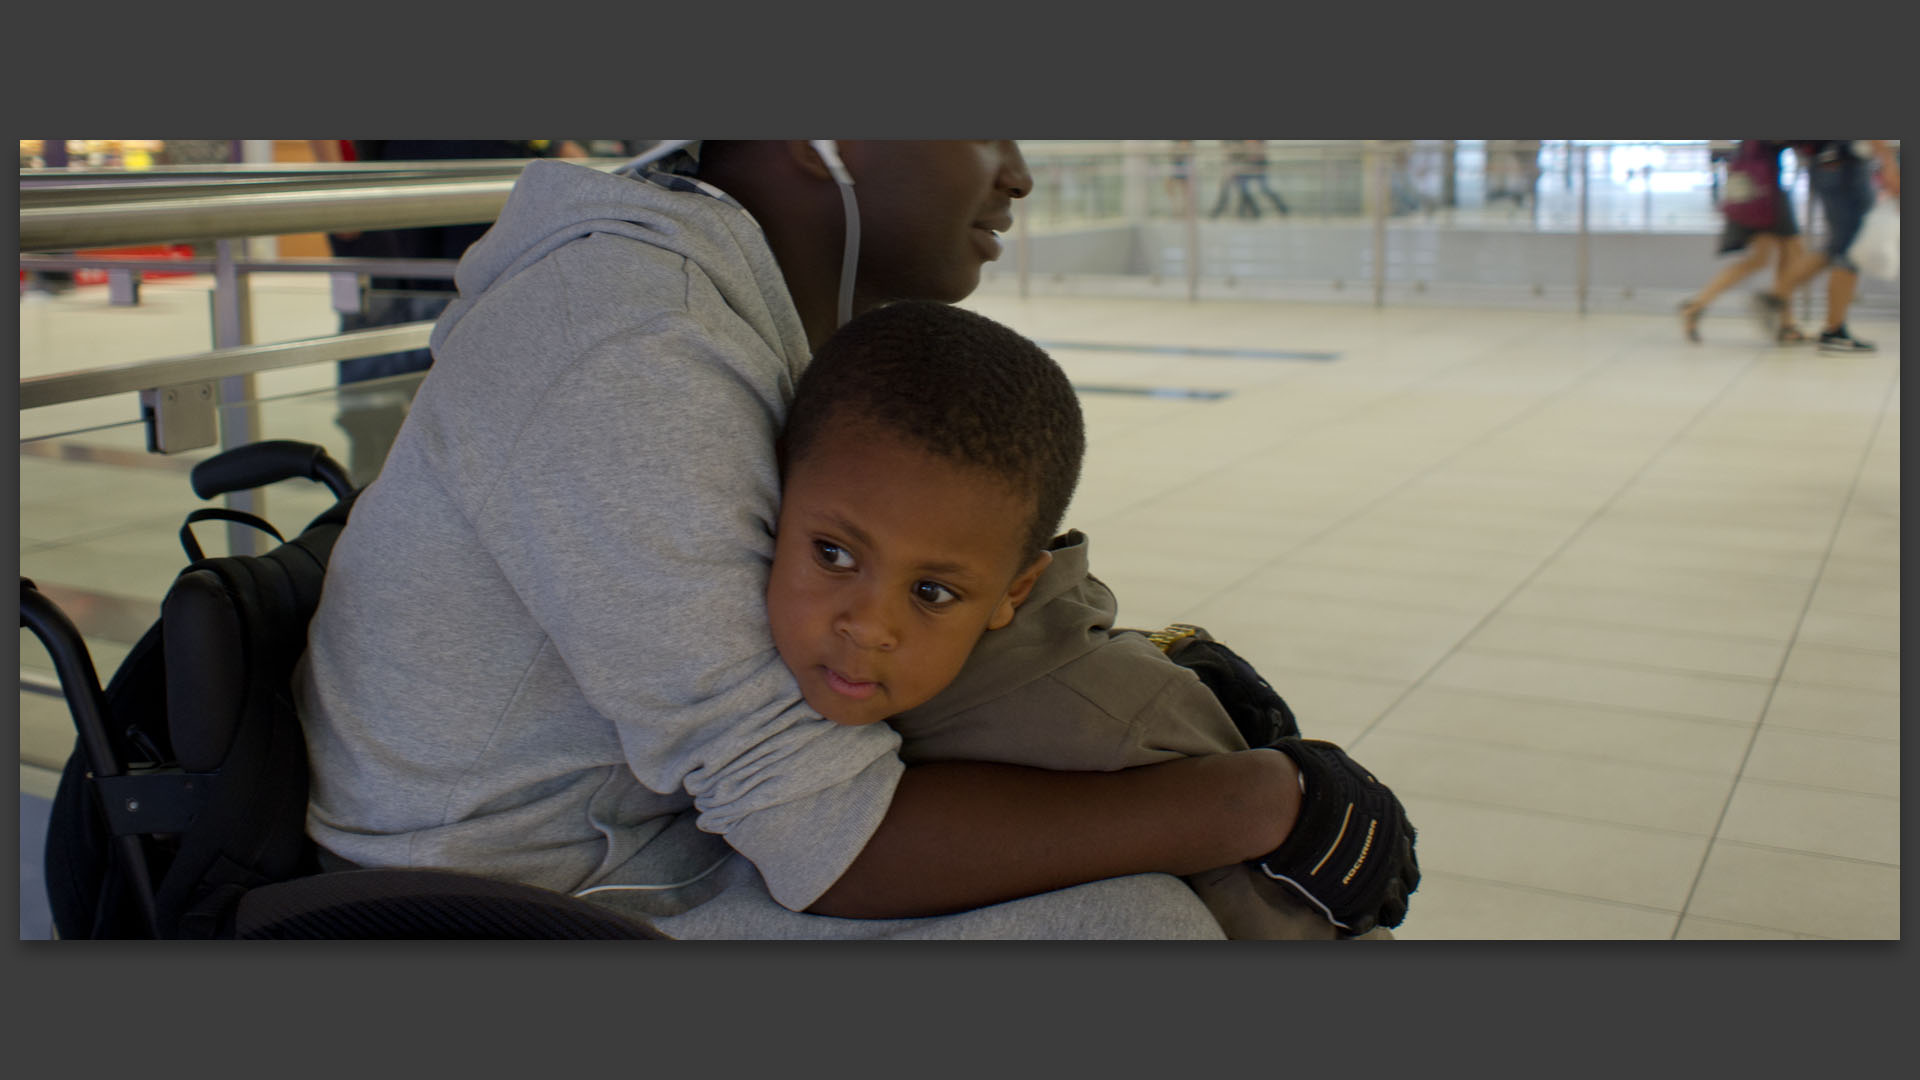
(889, 564)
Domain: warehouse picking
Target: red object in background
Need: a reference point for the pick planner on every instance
(98, 275)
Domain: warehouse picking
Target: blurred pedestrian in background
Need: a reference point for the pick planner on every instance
(1759, 222)
(1841, 173)
(1246, 170)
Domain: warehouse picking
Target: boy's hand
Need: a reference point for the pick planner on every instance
(1260, 714)
(1351, 850)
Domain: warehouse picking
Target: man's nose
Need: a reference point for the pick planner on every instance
(1013, 171)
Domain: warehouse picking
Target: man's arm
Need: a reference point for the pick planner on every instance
(960, 835)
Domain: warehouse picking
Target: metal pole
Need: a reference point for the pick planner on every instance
(1580, 243)
(239, 413)
(1326, 182)
(1378, 185)
(1191, 212)
(1647, 171)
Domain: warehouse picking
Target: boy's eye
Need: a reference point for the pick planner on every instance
(933, 594)
(833, 555)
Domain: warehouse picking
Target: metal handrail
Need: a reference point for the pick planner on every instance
(273, 213)
(97, 382)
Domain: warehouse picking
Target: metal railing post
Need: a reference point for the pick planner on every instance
(239, 421)
(1378, 185)
(1326, 182)
(1580, 242)
(1191, 213)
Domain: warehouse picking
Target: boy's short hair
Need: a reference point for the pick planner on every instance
(963, 386)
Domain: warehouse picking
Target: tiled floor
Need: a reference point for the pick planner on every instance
(1617, 616)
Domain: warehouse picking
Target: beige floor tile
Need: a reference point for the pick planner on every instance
(1863, 573)
(1322, 700)
(1402, 656)
(1609, 862)
(1696, 582)
(1413, 557)
(1696, 928)
(1248, 612)
(1830, 598)
(1851, 826)
(107, 655)
(1451, 908)
(1439, 592)
(1638, 646)
(1587, 551)
(1460, 529)
(1728, 616)
(1836, 665)
(47, 733)
(1713, 696)
(1834, 710)
(1122, 538)
(1804, 540)
(139, 567)
(1593, 731)
(1846, 763)
(1799, 893)
(1123, 568)
(1868, 536)
(1875, 633)
(1572, 786)
(39, 783)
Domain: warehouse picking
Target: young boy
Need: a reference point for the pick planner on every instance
(929, 455)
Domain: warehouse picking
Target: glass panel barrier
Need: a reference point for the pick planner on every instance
(100, 522)
(1618, 225)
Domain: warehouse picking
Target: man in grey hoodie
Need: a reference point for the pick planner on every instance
(542, 652)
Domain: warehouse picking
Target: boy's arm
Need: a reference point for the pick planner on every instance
(960, 835)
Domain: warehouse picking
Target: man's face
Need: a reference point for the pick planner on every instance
(889, 564)
(929, 212)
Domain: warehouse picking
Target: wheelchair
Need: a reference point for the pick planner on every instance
(181, 812)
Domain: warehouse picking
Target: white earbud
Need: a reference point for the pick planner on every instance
(829, 152)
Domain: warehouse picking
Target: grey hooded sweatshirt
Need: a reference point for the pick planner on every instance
(542, 651)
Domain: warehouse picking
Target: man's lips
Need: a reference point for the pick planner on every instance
(853, 688)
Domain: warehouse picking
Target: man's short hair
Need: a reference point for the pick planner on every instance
(963, 386)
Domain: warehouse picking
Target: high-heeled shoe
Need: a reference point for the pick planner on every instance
(1690, 311)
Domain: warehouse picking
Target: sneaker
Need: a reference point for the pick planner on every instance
(1841, 341)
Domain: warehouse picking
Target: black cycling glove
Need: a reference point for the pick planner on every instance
(1351, 849)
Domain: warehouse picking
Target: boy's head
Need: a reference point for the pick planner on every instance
(929, 456)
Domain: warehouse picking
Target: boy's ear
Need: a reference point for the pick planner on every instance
(1017, 592)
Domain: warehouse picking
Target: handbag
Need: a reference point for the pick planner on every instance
(1753, 185)
(1876, 250)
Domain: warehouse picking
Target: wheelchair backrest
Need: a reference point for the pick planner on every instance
(213, 761)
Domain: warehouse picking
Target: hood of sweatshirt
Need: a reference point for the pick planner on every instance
(557, 202)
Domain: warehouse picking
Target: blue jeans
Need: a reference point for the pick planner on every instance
(1845, 191)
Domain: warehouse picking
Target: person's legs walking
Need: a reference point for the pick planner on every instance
(1760, 251)
(1845, 190)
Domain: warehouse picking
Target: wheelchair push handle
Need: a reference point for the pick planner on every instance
(262, 463)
